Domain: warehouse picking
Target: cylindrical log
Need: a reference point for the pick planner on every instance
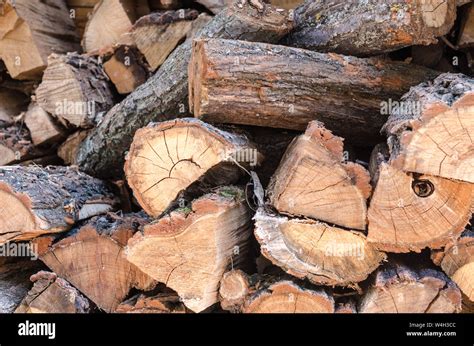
(276, 86)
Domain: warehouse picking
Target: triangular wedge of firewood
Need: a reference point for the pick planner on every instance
(44, 129)
(75, 89)
(190, 249)
(396, 288)
(316, 251)
(52, 294)
(91, 258)
(409, 212)
(126, 68)
(109, 24)
(432, 129)
(27, 39)
(168, 157)
(315, 180)
(157, 34)
(38, 200)
(240, 292)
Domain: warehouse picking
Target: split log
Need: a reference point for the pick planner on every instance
(52, 294)
(40, 200)
(275, 86)
(370, 27)
(466, 35)
(108, 25)
(15, 281)
(75, 89)
(158, 34)
(127, 69)
(315, 180)
(457, 261)
(26, 38)
(190, 249)
(159, 303)
(168, 157)
(80, 11)
(67, 151)
(91, 258)
(164, 96)
(43, 128)
(431, 130)
(12, 103)
(316, 251)
(409, 212)
(16, 145)
(239, 292)
(397, 288)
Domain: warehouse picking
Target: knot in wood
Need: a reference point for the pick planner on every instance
(422, 187)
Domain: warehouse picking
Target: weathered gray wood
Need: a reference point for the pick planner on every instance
(39, 200)
(363, 28)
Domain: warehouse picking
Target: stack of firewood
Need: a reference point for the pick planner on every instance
(168, 156)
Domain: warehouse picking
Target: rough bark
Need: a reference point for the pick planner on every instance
(26, 39)
(40, 200)
(167, 158)
(164, 95)
(397, 288)
(190, 249)
(240, 292)
(432, 131)
(315, 180)
(370, 27)
(75, 89)
(268, 85)
(52, 294)
(410, 211)
(158, 34)
(316, 251)
(127, 69)
(91, 258)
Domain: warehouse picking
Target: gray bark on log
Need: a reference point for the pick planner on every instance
(164, 96)
(363, 28)
(48, 200)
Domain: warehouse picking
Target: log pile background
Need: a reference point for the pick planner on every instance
(173, 156)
